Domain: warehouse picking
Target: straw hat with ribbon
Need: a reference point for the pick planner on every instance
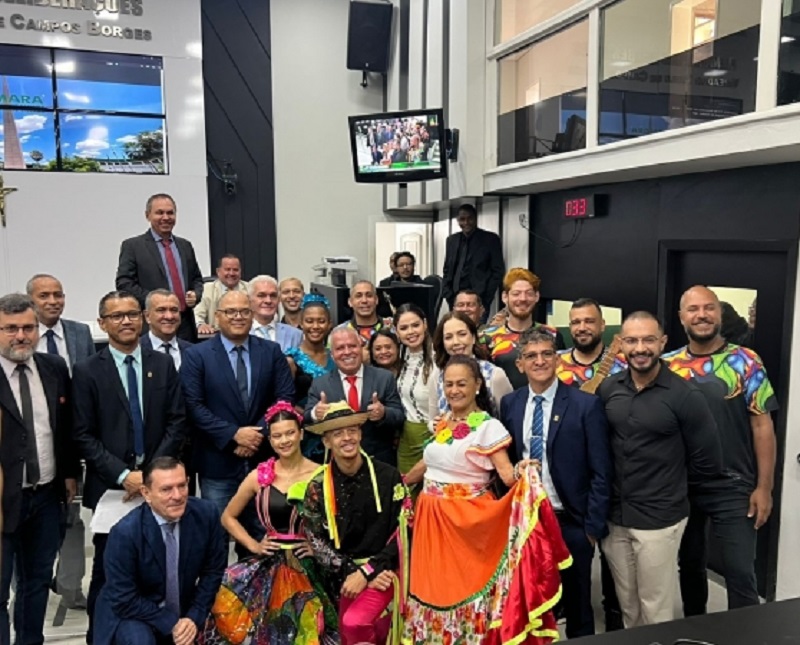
(339, 415)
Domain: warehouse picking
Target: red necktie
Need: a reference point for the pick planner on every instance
(174, 274)
(352, 394)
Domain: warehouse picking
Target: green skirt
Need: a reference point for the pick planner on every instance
(412, 443)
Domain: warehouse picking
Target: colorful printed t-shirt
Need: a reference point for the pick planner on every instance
(365, 332)
(735, 384)
(503, 351)
(572, 372)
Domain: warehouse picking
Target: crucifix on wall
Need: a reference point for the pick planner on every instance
(4, 190)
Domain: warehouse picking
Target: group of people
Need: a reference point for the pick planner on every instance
(381, 479)
(399, 141)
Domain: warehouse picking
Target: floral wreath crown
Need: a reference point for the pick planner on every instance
(283, 406)
(315, 299)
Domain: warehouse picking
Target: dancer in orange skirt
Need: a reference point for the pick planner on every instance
(483, 570)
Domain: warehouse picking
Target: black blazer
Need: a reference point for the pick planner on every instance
(141, 270)
(103, 425)
(135, 565)
(484, 265)
(55, 382)
(377, 438)
(578, 452)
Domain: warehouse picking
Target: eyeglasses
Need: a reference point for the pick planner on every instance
(230, 314)
(13, 330)
(117, 316)
(630, 341)
(546, 355)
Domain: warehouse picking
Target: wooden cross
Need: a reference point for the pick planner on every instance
(3, 192)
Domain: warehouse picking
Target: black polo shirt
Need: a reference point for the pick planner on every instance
(661, 437)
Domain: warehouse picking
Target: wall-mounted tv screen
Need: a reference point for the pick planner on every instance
(398, 146)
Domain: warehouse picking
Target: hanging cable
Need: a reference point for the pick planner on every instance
(576, 232)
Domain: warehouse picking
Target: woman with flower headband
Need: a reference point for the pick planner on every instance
(483, 570)
(277, 596)
(311, 359)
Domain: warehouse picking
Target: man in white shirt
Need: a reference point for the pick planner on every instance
(229, 278)
(264, 300)
(72, 341)
(163, 315)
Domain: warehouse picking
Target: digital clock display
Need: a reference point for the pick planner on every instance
(579, 207)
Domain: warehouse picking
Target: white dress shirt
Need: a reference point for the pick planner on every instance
(359, 383)
(58, 337)
(268, 331)
(527, 429)
(41, 417)
(159, 346)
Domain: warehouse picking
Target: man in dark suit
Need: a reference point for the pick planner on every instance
(163, 316)
(128, 410)
(229, 382)
(39, 463)
(72, 341)
(566, 431)
(366, 388)
(164, 564)
(159, 260)
(473, 259)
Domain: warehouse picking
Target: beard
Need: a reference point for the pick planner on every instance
(587, 344)
(18, 352)
(701, 338)
(647, 367)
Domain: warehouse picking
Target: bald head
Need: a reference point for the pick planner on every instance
(701, 317)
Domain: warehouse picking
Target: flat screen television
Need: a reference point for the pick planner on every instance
(398, 146)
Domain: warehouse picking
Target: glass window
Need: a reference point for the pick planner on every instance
(543, 97)
(512, 17)
(106, 115)
(789, 61)
(667, 64)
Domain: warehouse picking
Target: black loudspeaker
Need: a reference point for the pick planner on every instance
(369, 35)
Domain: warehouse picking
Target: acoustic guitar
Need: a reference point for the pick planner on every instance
(604, 367)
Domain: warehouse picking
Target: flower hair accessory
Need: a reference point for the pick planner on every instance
(283, 406)
(315, 299)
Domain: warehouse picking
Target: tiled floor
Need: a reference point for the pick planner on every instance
(73, 629)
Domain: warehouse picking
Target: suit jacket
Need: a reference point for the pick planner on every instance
(484, 265)
(78, 338)
(103, 423)
(377, 439)
(135, 568)
(215, 406)
(287, 336)
(578, 452)
(145, 342)
(207, 306)
(141, 270)
(55, 382)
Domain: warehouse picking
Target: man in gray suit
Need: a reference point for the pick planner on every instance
(365, 388)
(72, 341)
(264, 301)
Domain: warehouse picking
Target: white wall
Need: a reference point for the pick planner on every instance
(71, 225)
(320, 209)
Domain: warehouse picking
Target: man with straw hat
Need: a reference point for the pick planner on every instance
(356, 512)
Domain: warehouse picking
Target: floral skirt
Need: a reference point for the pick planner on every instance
(277, 600)
(484, 570)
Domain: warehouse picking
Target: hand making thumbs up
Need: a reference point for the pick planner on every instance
(375, 409)
(322, 407)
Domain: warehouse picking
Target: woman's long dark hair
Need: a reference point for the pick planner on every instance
(438, 336)
(427, 349)
(387, 333)
(482, 398)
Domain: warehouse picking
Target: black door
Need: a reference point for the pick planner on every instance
(769, 268)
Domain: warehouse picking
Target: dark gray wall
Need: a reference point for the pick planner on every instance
(237, 74)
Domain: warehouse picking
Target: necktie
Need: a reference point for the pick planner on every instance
(537, 429)
(352, 393)
(31, 453)
(167, 347)
(136, 409)
(241, 376)
(51, 342)
(173, 595)
(174, 274)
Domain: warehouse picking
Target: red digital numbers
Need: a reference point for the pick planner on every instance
(575, 207)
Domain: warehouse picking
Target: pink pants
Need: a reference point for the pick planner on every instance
(360, 617)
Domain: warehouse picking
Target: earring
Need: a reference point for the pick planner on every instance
(477, 392)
